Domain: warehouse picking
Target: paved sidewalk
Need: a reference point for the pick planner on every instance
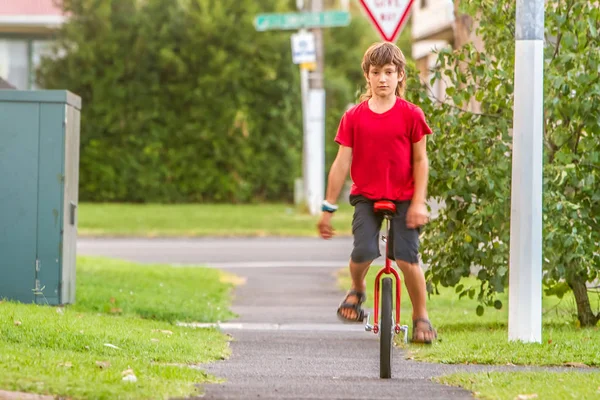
(5, 395)
(288, 344)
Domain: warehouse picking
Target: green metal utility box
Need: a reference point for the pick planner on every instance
(39, 179)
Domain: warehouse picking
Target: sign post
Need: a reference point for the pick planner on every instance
(305, 53)
(388, 16)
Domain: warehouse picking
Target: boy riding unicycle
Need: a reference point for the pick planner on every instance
(382, 143)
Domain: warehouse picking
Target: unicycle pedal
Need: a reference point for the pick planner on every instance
(368, 326)
(404, 330)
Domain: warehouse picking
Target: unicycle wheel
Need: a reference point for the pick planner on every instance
(386, 330)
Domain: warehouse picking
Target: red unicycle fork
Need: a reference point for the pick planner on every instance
(388, 208)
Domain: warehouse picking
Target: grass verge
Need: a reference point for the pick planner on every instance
(465, 338)
(159, 292)
(85, 351)
(197, 220)
(528, 385)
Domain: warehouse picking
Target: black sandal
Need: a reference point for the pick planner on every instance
(414, 335)
(360, 313)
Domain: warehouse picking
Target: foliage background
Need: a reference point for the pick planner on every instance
(184, 101)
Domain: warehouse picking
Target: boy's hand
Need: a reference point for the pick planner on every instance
(417, 215)
(325, 229)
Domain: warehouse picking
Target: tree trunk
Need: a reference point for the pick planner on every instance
(463, 26)
(464, 32)
(584, 309)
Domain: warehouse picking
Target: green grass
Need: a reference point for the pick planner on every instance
(160, 292)
(70, 351)
(528, 385)
(468, 338)
(194, 220)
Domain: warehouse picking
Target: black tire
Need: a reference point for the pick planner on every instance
(386, 337)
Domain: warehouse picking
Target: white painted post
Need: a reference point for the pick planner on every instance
(304, 85)
(525, 282)
(315, 145)
(315, 134)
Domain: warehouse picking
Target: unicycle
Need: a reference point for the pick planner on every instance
(384, 323)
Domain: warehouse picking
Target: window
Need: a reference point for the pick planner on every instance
(14, 62)
(19, 58)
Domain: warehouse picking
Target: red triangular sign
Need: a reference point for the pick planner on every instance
(388, 16)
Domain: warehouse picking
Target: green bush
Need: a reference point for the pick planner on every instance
(182, 100)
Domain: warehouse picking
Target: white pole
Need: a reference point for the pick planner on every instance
(315, 123)
(315, 144)
(525, 282)
(304, 85)
(304, 76)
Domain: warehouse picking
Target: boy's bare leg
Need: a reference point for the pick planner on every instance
(358, 272)
(414, 278)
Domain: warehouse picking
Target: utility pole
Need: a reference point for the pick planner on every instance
(314, 134)
(304, 86)
(316, 81)
(525, 286)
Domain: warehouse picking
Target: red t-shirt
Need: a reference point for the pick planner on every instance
(382, 148)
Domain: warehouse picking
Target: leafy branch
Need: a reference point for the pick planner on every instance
(460, 109)
(560, 34)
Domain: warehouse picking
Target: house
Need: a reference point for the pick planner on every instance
(26, 32)
(437, 24)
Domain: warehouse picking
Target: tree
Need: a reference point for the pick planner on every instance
(471, 155)
(182, 100)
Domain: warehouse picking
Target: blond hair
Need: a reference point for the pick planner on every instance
(378, 55)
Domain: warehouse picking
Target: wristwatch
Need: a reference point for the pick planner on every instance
(328, 207)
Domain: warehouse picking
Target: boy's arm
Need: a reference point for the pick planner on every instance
(420, 170)
(338, 173)
(337, 177)
(417, 214)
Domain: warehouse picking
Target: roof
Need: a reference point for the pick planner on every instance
(30, 15)
(29, 7)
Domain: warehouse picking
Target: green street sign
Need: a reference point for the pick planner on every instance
(324, 19)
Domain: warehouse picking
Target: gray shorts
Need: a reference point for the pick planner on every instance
(366, 227)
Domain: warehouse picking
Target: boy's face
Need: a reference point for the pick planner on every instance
(383, 80)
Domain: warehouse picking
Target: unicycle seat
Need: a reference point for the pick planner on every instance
(385, 207)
